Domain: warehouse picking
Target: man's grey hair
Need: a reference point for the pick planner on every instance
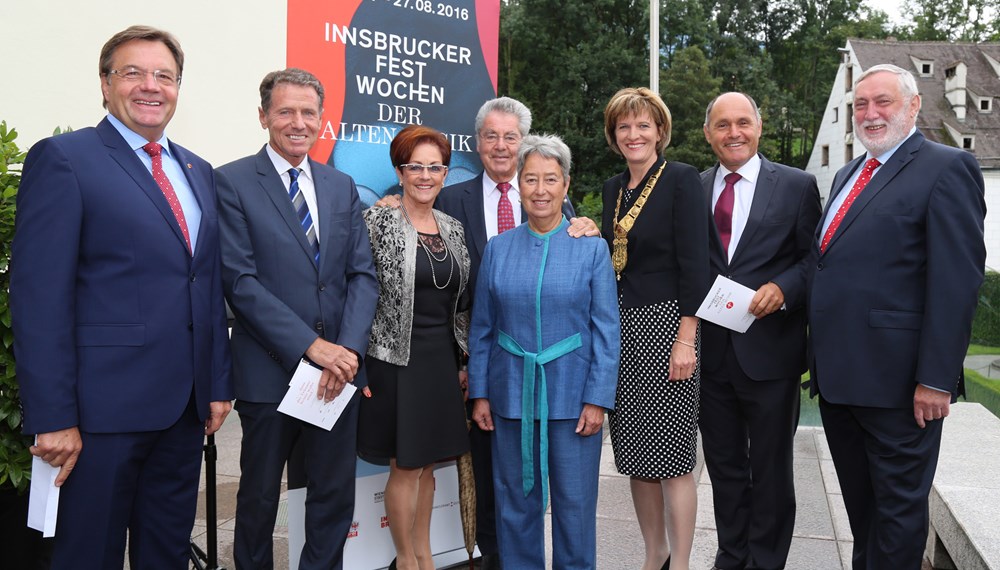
(545, 146)
(907, 83)
(753, 104)
(509, 106)
(291, 76)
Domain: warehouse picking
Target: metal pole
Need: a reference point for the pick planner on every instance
(654, 45)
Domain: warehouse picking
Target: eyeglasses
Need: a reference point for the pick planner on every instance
(133, 74)
(420, 168)
(493, 138)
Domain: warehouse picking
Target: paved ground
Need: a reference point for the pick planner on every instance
(822, 539)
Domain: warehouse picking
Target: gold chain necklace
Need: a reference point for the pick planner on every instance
(619, 253)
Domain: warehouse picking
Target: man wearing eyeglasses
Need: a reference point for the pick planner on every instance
(118, 316)
(298, 273)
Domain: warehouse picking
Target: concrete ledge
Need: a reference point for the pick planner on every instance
(965, 497)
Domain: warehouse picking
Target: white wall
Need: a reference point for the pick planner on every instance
(992, 226)
(833, 133)
(51, 67)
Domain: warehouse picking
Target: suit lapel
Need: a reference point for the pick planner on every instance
(201, 193)
(715, 242)
(130, 163)
(767, 180)
(473, 204)
(324, 203)
(274, 189)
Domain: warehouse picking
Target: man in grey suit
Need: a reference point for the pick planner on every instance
(763, 218)
(298, 273)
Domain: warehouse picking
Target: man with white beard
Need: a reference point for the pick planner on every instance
(899, 258)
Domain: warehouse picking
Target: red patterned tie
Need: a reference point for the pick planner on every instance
(859, 185)
(154, 151)
(505, 213)
(724, 209)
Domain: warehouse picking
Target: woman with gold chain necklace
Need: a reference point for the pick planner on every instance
(655, 219)
(414, 414)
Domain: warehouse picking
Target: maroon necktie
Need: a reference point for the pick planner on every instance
(724, 210)
(859, 185)
(505, 213)
(154, 151)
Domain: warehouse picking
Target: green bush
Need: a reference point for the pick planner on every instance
(15, 461)
(986, 325)
(983, 390)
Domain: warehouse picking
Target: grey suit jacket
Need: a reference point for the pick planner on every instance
(281, 299)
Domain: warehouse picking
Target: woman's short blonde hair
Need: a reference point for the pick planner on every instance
(635, 101)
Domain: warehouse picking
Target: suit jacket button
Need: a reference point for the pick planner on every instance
(190, 326)
(819, 266)
(319, 326)
(322, 287)
(193, 278)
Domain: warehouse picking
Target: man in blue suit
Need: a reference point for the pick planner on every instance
(764, 216)
(298, 273)
(899, 258)
(118, 316)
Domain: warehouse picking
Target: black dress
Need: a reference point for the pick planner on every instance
(416, 413)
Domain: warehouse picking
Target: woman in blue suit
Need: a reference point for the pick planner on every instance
(543, 367)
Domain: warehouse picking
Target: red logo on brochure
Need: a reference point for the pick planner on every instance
(729, 305)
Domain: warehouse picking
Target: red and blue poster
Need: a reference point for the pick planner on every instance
(386, 64)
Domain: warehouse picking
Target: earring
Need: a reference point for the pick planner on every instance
(400, 183)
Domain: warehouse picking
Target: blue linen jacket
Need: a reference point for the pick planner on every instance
(540, 290)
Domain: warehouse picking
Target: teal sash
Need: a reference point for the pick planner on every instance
(533, 360)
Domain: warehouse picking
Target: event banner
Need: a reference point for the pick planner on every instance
(386, 64)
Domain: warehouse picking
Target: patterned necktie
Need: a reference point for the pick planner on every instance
(302, 209)
(859, 185)
(154, 151)
(505, 213)
(724, 209)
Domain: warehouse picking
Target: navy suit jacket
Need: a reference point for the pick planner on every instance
(115, 322)
(775, 246)
(464, 202)
(281, 300)
(891, 300)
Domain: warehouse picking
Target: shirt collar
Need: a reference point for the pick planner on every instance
(134, 140)
(283, 166)
(749, 171)
(490, 185)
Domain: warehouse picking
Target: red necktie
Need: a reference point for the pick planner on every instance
(154, 151)
(505, 213)
(724, 209)
(859, 185)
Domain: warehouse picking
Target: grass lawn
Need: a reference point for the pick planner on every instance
(977, 349)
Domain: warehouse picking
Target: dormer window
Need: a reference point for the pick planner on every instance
(985, 104)
(969, 143)
(926, 69)
(950, 72)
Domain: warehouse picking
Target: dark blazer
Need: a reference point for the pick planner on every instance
(774, 247)
(115, 323)
(668, 245)
(891, 300)
(464, 202)
(282, 302)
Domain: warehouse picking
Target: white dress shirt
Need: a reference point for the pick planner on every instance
(491, 200)
(306, 185)
(742, 200)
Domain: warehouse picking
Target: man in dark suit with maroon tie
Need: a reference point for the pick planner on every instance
(764, 217)
(892, 289)
(118, 316)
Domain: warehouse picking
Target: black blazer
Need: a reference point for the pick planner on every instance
(464, 202)
(775, 247)
(668, 245)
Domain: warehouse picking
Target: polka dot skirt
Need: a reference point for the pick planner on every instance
(654, 427)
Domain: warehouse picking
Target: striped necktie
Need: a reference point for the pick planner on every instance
(302, 209)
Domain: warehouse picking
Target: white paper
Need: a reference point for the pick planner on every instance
(300, 401)
(43, 498)
(728, 304)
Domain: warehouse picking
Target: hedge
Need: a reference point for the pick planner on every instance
(983, 390)
(986, 325)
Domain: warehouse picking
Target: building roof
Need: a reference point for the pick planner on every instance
(982, 80)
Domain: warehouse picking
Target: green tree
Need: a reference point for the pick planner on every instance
(952, 20)
(687, 87)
